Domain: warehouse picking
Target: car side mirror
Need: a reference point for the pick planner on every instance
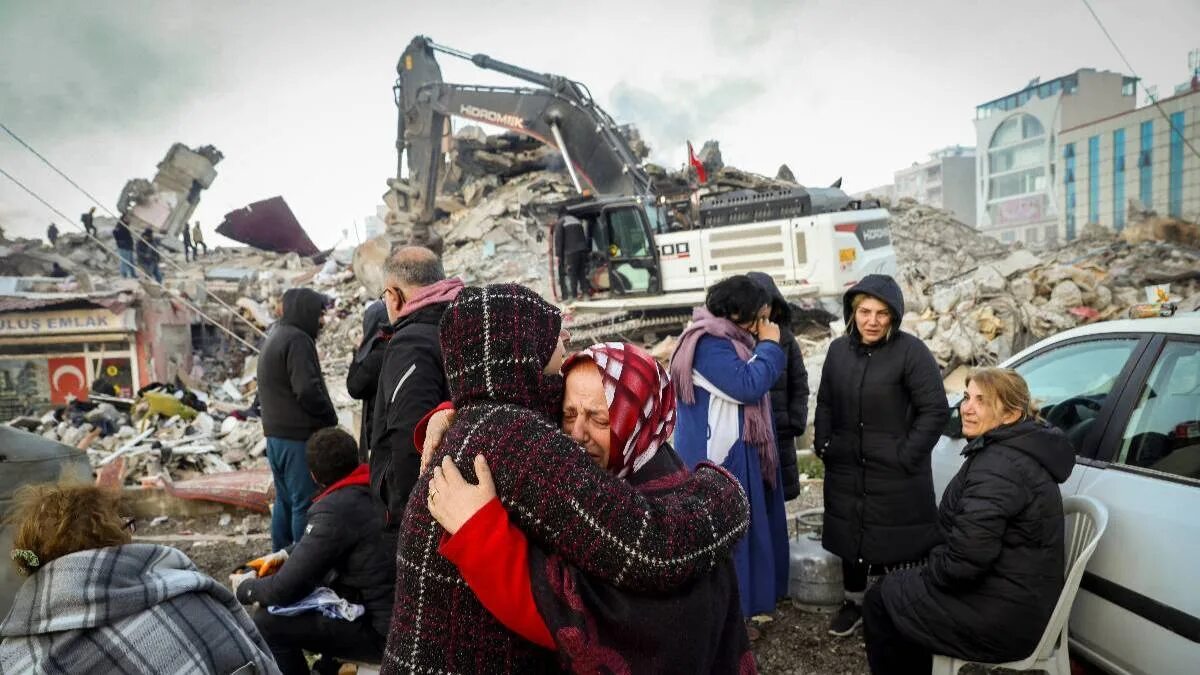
(953, 427)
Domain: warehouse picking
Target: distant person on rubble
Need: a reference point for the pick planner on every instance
(86, 219)
(412, 380)
(198, 240)
(124, 240)
(342, 543)
(573, 247)
(295, 404)
(94, 602)
(52, 234)
(147, 255)
(188, 246)
(362, 378)
(561, 263)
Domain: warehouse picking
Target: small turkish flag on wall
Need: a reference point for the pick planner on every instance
(696, 164)
(68, 377)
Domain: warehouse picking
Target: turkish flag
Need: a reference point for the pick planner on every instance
(68, 377)
(697, 164)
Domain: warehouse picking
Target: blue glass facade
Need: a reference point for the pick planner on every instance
(1069, 180)
(1175, 169)
(1119, 179)
(1145, 172)
(1094, 179)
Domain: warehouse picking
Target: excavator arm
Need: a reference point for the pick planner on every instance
(559, 112)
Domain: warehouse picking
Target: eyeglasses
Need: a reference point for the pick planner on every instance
(130, 524)
(399, 295)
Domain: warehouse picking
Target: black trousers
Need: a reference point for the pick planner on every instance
(289, 636)
(577, 273)
(889, 651)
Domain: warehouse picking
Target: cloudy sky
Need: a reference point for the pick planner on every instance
(298, 95)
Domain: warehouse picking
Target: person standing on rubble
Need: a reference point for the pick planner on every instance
(86, 219)
(362, 378)
(147, 255)
(881, 407)
(412, 380)
(52, 234)
(573, 247)
(188, 246)
(124, 240)
(198, 240)
(295, 405)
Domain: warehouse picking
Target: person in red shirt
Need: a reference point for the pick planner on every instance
(619, 405)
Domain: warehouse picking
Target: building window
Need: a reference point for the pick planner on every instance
(1119, 179)
(1017, 158)
(1069, 180)
(1094, 179)
(1129, 86)
(1175, 172)
(1145, 170)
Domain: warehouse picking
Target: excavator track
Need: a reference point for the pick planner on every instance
(637, 327)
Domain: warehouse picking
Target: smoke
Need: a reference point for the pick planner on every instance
(671, 115)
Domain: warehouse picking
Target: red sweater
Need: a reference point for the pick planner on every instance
(493, 558)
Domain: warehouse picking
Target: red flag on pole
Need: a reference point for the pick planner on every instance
(696, 164)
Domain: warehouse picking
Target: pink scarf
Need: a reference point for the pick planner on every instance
(445, 290)
(756, 425)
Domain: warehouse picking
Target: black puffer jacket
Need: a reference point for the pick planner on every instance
(291, 386)
(341, 548)
(362, 377)
(789, 394)
(880, 410)
(988, 591)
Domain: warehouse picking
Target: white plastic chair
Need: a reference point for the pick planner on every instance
(1083, 534)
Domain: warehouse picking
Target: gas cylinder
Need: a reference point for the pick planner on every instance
(814, 574)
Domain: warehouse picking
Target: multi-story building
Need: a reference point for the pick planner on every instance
(946, 180)
(1140, 157)
(1018, 143)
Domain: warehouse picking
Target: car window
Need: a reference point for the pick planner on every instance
(1070, 383)
(1163, 433)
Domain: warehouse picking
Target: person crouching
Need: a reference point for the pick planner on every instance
(341, 542)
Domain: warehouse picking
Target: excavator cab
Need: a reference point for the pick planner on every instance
(624, 258)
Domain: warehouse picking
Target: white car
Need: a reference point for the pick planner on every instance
(1127, 394)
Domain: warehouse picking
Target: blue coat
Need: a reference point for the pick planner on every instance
(761, 558)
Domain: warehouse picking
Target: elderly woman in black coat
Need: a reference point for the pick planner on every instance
(987, 592)
(880, 409)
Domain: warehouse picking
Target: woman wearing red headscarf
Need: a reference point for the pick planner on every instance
(620, 406)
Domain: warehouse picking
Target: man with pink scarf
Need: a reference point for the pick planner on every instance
(723, 369)
(411, 381)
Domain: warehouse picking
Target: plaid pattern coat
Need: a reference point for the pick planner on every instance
(495, 342)
(138, 608)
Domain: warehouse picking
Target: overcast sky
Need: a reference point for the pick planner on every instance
(298, 94)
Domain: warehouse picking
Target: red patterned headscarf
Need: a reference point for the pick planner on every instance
(641, 402)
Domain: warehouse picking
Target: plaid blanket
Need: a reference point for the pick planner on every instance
(139, 608)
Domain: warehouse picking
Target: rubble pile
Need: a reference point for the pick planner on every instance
(977, 301)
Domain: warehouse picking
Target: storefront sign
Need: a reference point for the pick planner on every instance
(64, 322)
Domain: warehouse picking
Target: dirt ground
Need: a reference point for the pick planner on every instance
(791, 641)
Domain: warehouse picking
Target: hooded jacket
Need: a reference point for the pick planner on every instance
(880, 410)
(496, 342)
(987, 592)
(291, 386)
(569, 237)
(362, 377)
(789, 394)
(138, 608)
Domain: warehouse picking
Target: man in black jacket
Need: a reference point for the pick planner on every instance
(412, 381)
(341, 550)
(295, 404)
(572, 247)
(789, 394)
(124, 240)
(362, 378)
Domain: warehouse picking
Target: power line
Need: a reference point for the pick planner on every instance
(1153, 99)
(140, 237)
(136, 268)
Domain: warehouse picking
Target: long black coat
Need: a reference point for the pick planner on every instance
(988, 591)
(880, 410)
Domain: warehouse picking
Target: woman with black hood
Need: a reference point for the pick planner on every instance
(987, 592)
(880, 409)
(789, 394)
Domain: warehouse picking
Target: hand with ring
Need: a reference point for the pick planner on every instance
(452, 500)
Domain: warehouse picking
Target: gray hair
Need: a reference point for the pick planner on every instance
(414, 266)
